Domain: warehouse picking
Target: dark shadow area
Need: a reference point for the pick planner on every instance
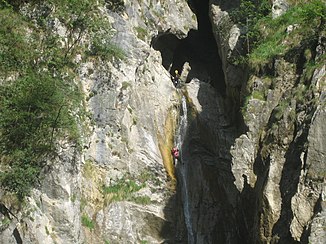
(224, 5)
(167, 44)
(174, 230)
(256, 207)
(6, 211)
(17, 236)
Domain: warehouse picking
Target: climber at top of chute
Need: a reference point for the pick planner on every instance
(176, 79)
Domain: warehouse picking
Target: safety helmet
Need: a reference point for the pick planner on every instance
(176, 71)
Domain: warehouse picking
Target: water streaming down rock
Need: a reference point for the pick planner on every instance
(183, 168)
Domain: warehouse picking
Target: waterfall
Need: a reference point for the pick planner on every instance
(183, 169)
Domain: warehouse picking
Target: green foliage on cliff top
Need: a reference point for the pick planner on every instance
(266, 38)
(39, 90)
(306, 21)
(292, 36)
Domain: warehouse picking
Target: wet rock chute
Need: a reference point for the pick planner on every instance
(182, 168)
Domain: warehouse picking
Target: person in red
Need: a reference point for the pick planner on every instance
(175, 154)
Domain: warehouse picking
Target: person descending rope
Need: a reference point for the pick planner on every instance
(175, 154)
(176, 78)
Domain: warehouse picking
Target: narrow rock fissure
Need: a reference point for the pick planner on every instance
(17, 236)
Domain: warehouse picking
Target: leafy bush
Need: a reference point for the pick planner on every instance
(21, 177)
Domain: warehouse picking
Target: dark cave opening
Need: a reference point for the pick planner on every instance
(198, 50)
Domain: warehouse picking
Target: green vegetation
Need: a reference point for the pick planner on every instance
(47, 230)
(40, 98)
(89, 169)
(311, 65)
(103, 48)
(292, 36)
(280, 109)
(87, 222)
(83, 203)
(305, 19)
(258, 95)
(267, 38)
(125, 85)
(300, 93)
(73, 198)
(123, 190)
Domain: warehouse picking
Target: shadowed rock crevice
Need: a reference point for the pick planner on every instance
(17, 236)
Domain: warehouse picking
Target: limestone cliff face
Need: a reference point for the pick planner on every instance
(127, 137)
(251, 177)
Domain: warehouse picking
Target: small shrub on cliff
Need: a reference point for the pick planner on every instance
(123, 190)
(20, 177)
(87, 222)
(105, 49)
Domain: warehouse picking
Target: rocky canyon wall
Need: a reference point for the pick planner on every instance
(250, 175)
(249, 172)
